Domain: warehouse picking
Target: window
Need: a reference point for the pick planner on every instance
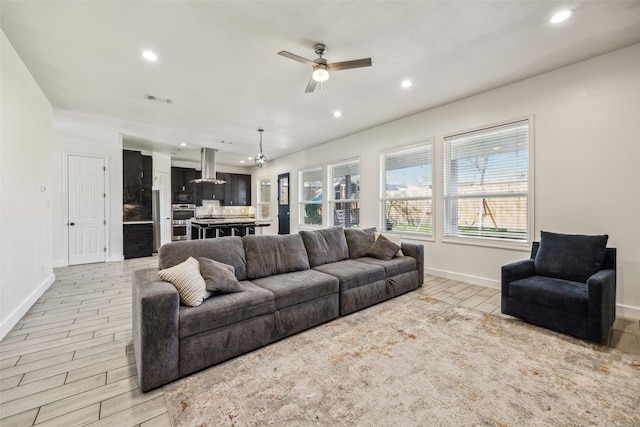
(406, 189)
(486, 183)
(311, 197)
(264, 198)
(344, 194)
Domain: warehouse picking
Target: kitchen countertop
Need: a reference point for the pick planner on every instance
(222, 221)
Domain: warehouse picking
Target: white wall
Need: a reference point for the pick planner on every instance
(84, 134)
(71, 136)
(26, 269)
(587, 179)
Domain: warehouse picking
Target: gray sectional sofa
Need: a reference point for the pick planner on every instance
(289, 283)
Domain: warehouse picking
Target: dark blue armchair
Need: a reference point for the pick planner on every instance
(568, 285)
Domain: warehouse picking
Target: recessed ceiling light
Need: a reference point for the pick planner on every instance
(337, 114)
(250, 158)
(561, 16)
(241, 161)
(183, 144)
(149, 56)
(406, 83)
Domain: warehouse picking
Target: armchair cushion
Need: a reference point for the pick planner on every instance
(560, 294)
(569, 256)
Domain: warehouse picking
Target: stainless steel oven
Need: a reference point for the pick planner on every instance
(180, 213)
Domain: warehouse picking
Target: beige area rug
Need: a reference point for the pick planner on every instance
(414, 361)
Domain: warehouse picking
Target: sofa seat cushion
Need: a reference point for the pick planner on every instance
(394, 266)
(352, 273)
(563, 295)
(274, 254)
(297, 287)
(225, 309)
(325, 245)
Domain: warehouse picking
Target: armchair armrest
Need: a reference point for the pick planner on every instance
(155, 328)
(601, 300)
(515, 271)
(415, 251)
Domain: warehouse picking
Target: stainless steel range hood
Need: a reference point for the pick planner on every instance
(208, 161)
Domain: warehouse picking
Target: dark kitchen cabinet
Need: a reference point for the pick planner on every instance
(181, 180)
(218, 189)
(137, 186)
(241, 185)
(137, 240)
(237, 190)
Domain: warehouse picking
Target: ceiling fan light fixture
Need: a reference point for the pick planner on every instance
(260, 159)
(320, 73)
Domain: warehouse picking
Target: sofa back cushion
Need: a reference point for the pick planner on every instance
(359, 241)
(269, 255)
(570, 256)
(325, 245)
(227, 250)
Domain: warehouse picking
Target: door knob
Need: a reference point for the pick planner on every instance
(72, 224)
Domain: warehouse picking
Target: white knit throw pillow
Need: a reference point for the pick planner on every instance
(188, 281)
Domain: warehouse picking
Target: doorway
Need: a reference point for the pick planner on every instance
(86, 193)
(283, 204)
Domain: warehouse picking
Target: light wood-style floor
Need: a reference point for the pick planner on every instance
(69, 361)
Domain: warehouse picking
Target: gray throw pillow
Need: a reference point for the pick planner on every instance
(383, 248)
(219, 277)
(325, 245)
(359, 241)
(572, 257)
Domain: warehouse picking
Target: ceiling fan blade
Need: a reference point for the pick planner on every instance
(311, 86)
(296, 58)
(356, 63)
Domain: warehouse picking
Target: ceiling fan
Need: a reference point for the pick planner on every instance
(321, 68)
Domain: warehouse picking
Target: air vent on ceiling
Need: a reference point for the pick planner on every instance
(157, 99)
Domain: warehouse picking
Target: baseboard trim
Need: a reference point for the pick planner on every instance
(61, 263)
(115, 258)
(474, 280)
(15, 316)
(628, 311)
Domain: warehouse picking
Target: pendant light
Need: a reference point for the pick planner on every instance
(260, 159)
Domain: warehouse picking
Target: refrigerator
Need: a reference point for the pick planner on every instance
(155, 216)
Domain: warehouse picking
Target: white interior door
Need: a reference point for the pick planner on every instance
(86, 210)
(163, 185)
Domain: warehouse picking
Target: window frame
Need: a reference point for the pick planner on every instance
(331, 200)
(260, 202)
(506, 243)
(420, 235)
(302, 203)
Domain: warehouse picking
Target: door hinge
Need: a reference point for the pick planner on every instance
(104, 195)
(104, 168)
(105, 249)
(104, 222)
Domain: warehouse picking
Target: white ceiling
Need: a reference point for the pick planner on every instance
(218, 62)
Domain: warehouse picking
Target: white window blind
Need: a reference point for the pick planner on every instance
(344, 197)
(311, 189)
(264, 198)
(406, 189)
(486, 183)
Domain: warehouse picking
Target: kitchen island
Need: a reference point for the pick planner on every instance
(206, 228)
